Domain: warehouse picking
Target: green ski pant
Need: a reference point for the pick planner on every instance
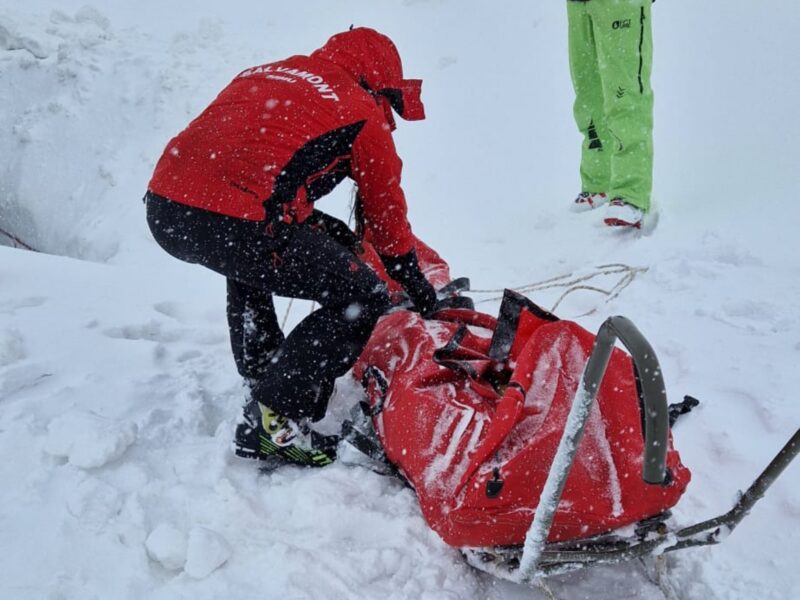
(610, 57)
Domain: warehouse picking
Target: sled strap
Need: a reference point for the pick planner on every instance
(362, 442)
(656, 421)
(445, 355)
(508, 320)
(449, 295)
(456, 286)
(465, 316)
(677, 410)
(461, 359)
(372, 372)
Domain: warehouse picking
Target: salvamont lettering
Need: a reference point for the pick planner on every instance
(315, 80)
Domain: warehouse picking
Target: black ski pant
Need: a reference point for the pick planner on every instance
(293, 376)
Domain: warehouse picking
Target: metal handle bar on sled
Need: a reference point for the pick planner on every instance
(706, 533)
(656, 430)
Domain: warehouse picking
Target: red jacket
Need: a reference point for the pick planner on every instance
(282, 135)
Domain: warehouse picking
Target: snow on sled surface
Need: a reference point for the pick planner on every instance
(117, 392)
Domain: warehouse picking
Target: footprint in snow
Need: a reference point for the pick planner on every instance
(151, 332)
(755, 316)
(154, 331)
(10, 307)
(94, 503)
(12, 347)
(169, 309)
(21, 377)
(88, 441)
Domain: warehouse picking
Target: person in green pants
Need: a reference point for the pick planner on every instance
(610, 57)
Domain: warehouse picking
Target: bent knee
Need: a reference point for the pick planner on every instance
(368, 308)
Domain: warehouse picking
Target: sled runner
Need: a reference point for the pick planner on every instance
(532, 445)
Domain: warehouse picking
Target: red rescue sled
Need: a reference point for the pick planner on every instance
(531, 443)
(471, 410)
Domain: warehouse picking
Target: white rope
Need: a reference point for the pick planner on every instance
(573, 282)
(661, 570)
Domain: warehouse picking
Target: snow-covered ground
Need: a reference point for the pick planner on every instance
(118, 394)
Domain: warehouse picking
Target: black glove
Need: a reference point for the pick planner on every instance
(405, 271)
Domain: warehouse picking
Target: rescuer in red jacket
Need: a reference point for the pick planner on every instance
(235, 192)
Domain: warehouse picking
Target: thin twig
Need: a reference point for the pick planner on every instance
(17, 243)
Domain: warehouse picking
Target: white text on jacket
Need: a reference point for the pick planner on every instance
(288, 73)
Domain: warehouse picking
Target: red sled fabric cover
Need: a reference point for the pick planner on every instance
(457, 435)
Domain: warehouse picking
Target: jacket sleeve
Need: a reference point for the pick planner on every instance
(376, 168)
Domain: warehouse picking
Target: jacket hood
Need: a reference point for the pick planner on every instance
(373, 61)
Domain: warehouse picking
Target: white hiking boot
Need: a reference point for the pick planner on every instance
(589, 200)
(621, 214)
